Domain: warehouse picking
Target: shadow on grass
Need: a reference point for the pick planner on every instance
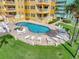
(68, 50)
(2, 42)
(68, 43)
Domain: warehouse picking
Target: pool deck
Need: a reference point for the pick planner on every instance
(33, 39)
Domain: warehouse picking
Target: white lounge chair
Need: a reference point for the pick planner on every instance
(33, 37)
(59, 36)
(65, 38)
(56, 39)
(59, 40)
(39, 38)
(51, 41)
(28, 36)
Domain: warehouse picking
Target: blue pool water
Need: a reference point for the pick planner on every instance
(35, 28)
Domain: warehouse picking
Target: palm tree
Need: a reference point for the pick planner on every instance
(74, 9)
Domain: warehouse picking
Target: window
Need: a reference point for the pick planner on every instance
(0, 7)
(39, 0)
(52, 0)
(12, 13)
(32, 7)
(45, 15)
(32, 0)
(21, 6)
(27, 14)
(33, 15)
(26, 0)
(39, 15)
(18, 6)
(52, 7)
(45, 0)
(26, 7)
(52, 14)
(40, 7)
(0, 0)
(46, 7)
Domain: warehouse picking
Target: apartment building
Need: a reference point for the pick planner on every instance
(28, 9)
(60, 5)
(1, 6)
(39, 9)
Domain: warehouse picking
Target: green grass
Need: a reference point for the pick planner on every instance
(20, 50)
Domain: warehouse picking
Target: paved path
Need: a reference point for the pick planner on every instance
(1, 34)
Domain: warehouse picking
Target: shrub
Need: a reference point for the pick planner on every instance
(52, 21)
(66, 21)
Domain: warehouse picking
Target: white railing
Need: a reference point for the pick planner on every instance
(11, 2)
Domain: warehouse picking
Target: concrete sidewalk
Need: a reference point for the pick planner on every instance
(2, 34)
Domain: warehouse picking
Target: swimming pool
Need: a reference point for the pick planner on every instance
(35, 28)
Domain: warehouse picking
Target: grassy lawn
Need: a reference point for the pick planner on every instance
(19, 50)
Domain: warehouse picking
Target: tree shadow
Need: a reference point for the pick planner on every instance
(68, 50)
(68, 43)
(2, 42)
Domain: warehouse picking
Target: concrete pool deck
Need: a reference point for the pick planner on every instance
(38, 39)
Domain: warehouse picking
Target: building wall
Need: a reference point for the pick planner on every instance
(29, 9)
(40, 9)
(20, 8)
(60, 5)
(1, 7)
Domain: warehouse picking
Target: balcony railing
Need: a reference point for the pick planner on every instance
(59, 2)
(11, 8)
(39, 1)
(39, 10)
(11, 2)
(46, 1)
(45, 9)
(42, 1)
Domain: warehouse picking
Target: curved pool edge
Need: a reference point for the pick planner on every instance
(40, 28)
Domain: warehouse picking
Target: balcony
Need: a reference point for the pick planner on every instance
(43, 16)
(45, 10)
(39, 15)
(11, 8)
(10, 2)
(42, 11)
(41, 2)
(60, 2)
(60, 12)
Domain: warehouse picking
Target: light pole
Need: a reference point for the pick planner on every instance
(74, 31)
